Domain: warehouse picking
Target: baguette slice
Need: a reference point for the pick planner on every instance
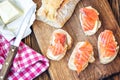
(81, 55)
(56, 12)
(107, 47)
(89, 20)
(60, 42)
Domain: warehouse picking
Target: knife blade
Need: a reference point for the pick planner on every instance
(13, 48)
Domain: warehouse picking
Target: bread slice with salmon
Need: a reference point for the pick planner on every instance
(107, 47)
(56, 12)
(60, 42)
(89, 20)
(81, 56)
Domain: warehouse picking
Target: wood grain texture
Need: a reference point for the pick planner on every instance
(115, 6)
(59, 69)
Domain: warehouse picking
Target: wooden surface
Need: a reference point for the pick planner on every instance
(115, 5)
(96, 70)
(31, 41)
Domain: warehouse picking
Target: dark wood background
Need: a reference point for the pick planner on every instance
(31, 42)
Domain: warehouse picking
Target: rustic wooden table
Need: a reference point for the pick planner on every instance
(31, 42)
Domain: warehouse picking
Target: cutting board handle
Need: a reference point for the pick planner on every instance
(7, 64)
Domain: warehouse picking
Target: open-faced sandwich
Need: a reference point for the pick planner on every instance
(81, 56)
(60, 42)
(107, 47)
(56, 12)
(89, 20)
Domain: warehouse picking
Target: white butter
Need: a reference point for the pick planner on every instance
(1, 22)
(8, 12)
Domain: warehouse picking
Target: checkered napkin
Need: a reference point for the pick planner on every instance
(27, 63)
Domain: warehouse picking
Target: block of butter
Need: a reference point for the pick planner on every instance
(8, 12)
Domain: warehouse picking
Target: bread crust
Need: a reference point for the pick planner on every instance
(66, 47)
(63, 14)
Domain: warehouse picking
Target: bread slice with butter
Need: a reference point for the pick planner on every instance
(89, 19)
(60, 42)
(8, 12)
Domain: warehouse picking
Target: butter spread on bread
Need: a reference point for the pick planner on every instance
(56, 12)
(8, 12)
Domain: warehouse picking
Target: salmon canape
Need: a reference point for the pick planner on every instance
(107, 46)
(60, 42)
(89, 20)
(81, 56)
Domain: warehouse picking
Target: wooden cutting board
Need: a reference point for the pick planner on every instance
(59, 69)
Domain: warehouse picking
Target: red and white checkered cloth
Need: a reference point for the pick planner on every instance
(27, 63)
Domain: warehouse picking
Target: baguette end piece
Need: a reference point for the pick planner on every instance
(62, 14)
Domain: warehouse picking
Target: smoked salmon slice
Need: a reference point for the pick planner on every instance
(81, 56)
(60, 42)
(107, 46)
(89, 20)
